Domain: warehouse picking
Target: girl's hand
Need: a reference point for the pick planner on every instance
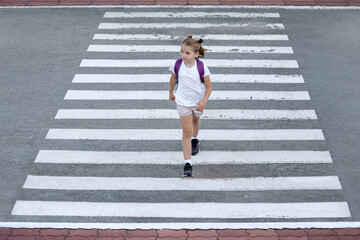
(171, 96)
(201, 106)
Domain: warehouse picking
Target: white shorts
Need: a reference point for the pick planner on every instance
(185, 111)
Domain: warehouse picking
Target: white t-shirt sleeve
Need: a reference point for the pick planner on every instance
(171, 68)
(206, 71)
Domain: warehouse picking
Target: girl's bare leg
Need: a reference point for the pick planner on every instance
(187, 126)
(196, 126)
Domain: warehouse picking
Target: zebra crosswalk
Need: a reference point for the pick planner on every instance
(258, 118)
(171, 158)
(178, 184)
(175, 134)
(189, 15)
(162, 95)
(256, 37)
(159, 78)
(114, 26)
(219, 63)
(160, 48)
(176, 210)
(225, 114)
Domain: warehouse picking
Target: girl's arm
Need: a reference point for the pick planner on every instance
(172, 86)
(202, 103)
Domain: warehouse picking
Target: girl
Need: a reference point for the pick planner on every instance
(191, 95)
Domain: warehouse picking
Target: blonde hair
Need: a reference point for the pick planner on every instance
(195, 45)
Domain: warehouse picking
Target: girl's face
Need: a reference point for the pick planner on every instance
(187, 54)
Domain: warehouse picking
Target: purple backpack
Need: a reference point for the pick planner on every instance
(200, 66)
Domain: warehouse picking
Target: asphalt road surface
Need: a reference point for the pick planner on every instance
(279, 139)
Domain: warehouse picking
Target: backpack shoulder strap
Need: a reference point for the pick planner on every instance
(200, 66)
(177, 67)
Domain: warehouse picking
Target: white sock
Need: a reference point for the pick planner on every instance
(193, 138)
(187, 161)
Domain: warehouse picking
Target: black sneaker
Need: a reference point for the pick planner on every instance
(194, 146)
(187, 170)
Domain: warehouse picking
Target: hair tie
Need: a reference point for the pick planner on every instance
(200, 40)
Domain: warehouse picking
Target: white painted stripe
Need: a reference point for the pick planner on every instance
(145, 63)
(256, 37)
(172, 158)
(160, 78)
(164, 95)
(171, 48)
(175, 134)
(256, 78)
(223, 114)
(277, 26)
(176, 210)
(181, 184)
(189, 15)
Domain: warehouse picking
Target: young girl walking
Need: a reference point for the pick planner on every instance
(194, 89)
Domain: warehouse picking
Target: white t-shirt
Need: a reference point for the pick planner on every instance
(190, 88)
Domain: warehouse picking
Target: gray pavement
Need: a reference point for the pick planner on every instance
(41, 50)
